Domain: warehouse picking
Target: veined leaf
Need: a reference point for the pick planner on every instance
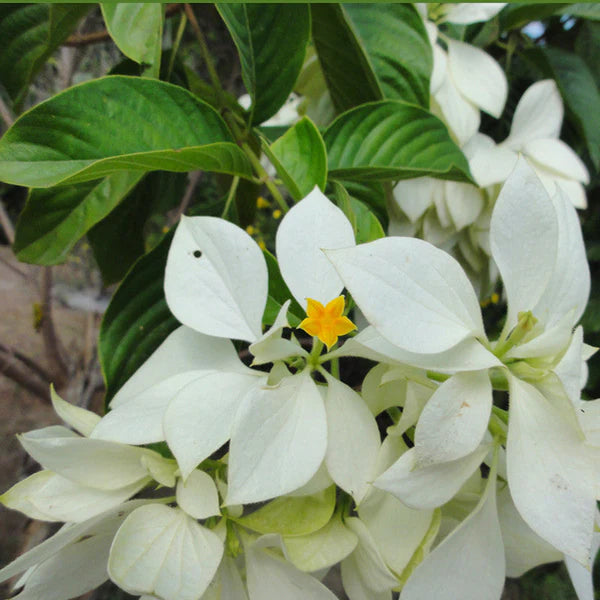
(137, 319)
(271, 40)
(370, 52)
(30, 33)
(55, 219)
(137, 30)
(115, 124)
(391, 140)
(300, 158)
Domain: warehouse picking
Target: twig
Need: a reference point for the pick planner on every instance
(51, 342)
(194, 178)
(10, 368)
(6, 223)
(95, 37)
(27, 361)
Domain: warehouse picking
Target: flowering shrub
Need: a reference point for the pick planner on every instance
(246, 449)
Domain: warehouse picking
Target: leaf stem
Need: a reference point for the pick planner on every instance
(176, 43)
(230, 196)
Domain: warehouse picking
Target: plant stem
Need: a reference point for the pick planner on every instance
(176, 44)
(230, 196)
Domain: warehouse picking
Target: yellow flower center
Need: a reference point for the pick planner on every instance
(327, 322)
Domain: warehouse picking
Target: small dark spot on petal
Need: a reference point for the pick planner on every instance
(197, 254)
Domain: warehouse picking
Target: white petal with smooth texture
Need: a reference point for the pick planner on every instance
(415, 196)
(199, 419)
(469, 355)
(352, 439)
(278, 441)
(550, 472)
(582, 578)
(182, 351)
(431, 486)
(94, 463)
(310, 226)
(539, 114)
(198, 496)
(470, 12)
(464, 202)
(455, 418)
(524, 240)
(415, 295)
(49, 497)
(555, 155)
(478, 77)
(269, 576)
(216, 279)
(78, 418)
(162, 551)
(523, 548)
(469, 563)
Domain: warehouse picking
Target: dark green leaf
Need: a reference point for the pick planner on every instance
(118, 240)
(55, 219)
(398, 48)
(115, 124)
(279, 293)
(586, 10)
(578, 89)
(300, 158)
(30, 33)
(392, 140)
(515, 16)
(271, 40)
(137, 319)
(372, 194)
(350, 78)
(137, 30)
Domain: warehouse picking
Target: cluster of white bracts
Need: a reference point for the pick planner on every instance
(456, 216)
(426, 520)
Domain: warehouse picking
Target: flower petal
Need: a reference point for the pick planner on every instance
(278, 441)
(310, 226)
(470, 12)
(431, 486)
(478, 77)
(216, 279)
(199, 419)
(352, 439)
(555, 155)
(550, 473)
(469, 563)
(78, 418)
(539, 114)
(454, 419)
(162, 551)
(197, 495)
(415, 295)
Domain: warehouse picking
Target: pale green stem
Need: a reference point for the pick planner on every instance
(230, 196)
(176, 44)
(335, 368)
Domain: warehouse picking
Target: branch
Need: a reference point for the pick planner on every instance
(6, 224)
(51, 342)
(85, 39)
(11, 368)
(194, 180)
(27, 361)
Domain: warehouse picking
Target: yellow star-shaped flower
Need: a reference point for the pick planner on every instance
(327, 322)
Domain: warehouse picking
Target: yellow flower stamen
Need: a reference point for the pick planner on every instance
(262, 203)
(327, 322)
(276, 214)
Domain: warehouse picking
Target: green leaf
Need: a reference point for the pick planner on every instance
(279, 293)
(115, 124)
(392, 140)
(271, 40)
(54, 220)
(371, 52)
(372, 194)
(515, 16)
(137, 30)
(322, 548)
(349, 76)
(30, 34)
(299, 515)
(398, 48)
(137, 319)
(578, 90)
(585, 10)
(300, 158)
(118, 240)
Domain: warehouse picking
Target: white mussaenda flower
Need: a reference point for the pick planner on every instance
(424, 313)
(534, 133)
(465, 79)
(196, 394)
